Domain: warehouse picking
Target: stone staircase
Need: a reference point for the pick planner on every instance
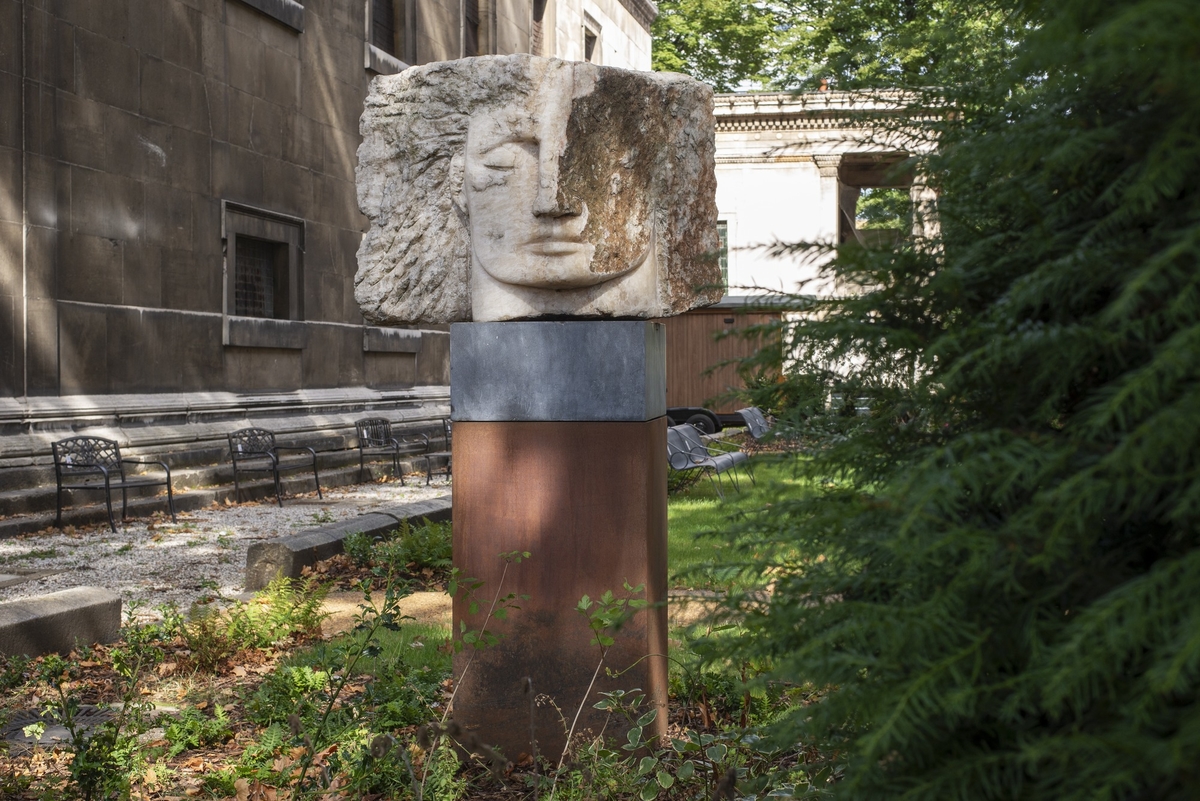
(188, 433)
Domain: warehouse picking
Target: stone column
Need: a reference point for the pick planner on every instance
(559, 449)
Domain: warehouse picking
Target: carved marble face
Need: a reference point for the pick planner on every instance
(518, 188)
(552, 189)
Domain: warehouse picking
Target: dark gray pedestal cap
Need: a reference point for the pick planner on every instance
(587, 370)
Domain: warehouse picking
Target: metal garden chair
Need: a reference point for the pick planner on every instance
(253, 450)
(442, 454)
(686, 451)
(95, 463)
(375, 437)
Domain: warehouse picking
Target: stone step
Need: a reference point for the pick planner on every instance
(144, 505)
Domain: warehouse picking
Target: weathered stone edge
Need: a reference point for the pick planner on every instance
(288, 556)
(58, 620)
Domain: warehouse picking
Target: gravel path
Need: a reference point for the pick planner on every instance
(155, 561)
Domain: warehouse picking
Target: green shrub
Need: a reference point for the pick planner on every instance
(410, 548)
(191, 728)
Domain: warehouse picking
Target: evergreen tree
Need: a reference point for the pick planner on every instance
(996, 583)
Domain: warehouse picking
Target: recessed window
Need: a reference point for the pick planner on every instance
(723, 250)
(590, 39)
(391, 35)
(263, 270)
(260, 279)
(470, 28)
(537, 36)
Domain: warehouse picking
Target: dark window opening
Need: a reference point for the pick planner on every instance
(383, 25)
(264, 272)
(470, 28)
(589, 45)
(536, 35)
(723, 251)
(260, 279)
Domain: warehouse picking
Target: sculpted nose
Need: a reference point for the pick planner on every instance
(553, 198)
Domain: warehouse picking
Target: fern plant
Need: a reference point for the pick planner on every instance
(999, 585)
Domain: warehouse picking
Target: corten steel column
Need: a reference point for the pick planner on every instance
(559, 450)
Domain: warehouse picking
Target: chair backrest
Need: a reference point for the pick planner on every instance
(755, 421)
(251, 441)
(446, 431)
(373, 432)
(677, 449)
(78, 454)
(692, 441)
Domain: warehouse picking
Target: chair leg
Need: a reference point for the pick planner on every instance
(715, 478)
(171, 502)
(124, 505)
(58, 516)
(361, 467)
(396, 471)
(108, 502)
(237, 488)
(278, 493)
(428, 470)
(317, 479)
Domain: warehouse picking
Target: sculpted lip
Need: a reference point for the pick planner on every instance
(555, 247)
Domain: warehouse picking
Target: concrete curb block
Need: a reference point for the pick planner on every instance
(57, 620)
(288, 556)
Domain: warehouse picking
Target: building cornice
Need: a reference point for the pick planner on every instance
(784, 111)
(644, 11)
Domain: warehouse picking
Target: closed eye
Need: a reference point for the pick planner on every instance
(505, 156)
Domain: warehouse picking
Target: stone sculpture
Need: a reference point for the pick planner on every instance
(518, 187)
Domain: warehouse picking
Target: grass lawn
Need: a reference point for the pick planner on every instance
(698, 520)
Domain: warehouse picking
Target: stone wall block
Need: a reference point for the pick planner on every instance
(10, 46)
(41, 262)
(105, 204)
(245, 59)
(50, 48)
(237, 174)
(281, 78)
(106, 70)
(10, 98)
(174, 95)
(90, 268)
(10, 188)
(42, 361)
(83, 349)
(11, 373)
(142, 274)
(183, 37)
(288, 188)
(78, 134)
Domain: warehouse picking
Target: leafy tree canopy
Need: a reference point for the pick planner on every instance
(850, 44)
(996, 584)
(721, 42)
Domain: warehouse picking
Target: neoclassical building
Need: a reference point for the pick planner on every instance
(790, 168)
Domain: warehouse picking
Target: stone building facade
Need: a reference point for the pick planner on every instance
(178, 214)
(790, 168)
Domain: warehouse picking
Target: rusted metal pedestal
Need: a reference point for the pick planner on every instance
(588, 500)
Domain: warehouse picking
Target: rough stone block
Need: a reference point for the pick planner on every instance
(288, 556)
(56, 622)
(518, 187)
(570, 370)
